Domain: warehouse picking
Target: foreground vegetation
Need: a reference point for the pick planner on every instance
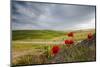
(30, 53)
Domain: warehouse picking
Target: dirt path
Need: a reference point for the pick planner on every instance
(39, 42)
(55, 40)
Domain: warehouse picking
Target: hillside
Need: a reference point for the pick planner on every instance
(42, 34)
(35, 34)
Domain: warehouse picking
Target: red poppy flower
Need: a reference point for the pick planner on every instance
(69, 41)
(90, 36)
(71, 34)
(55, 49)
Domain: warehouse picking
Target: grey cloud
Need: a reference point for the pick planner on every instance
(31, 15)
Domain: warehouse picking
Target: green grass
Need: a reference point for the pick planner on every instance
(35, 34)
(27, 51)
(23, 46)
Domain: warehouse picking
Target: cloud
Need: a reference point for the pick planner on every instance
(33, 15)
(86, 24)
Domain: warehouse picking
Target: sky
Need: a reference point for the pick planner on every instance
(42, 16)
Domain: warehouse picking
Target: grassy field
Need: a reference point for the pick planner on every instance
(34, 47)
(35, 34)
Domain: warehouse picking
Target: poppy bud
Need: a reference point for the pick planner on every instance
(71, 34)
(69, 41)
(90, 36)
(55, 50)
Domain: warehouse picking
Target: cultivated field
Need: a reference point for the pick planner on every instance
(34, 47)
